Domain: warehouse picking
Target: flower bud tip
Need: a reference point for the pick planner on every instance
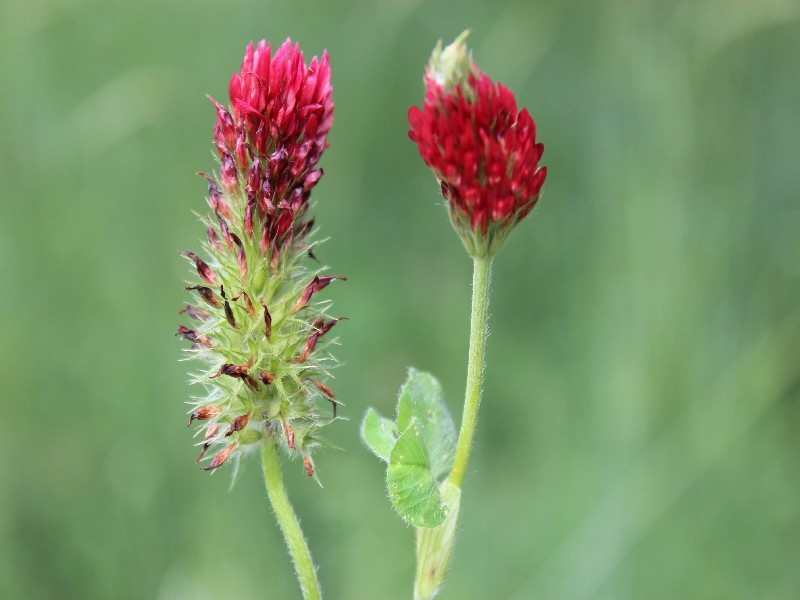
(451, 67)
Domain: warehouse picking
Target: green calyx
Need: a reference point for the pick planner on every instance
(478, 244)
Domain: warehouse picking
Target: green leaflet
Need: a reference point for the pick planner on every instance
(412, 487)
(379, 434)
(419, 448)
(421, 397)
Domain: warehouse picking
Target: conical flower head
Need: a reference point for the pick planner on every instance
(272, 136)
(481, 148)
(257, 326)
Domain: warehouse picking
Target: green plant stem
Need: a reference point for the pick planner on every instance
(435, 545)
(481, 278)
(287, 520)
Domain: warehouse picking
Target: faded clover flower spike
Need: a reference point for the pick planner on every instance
(481, 148)
(257, 325)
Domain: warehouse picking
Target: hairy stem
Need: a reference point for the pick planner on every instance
(435, 545)
(481, 277)
(287, 520)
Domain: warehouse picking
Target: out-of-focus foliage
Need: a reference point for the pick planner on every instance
(639, 432)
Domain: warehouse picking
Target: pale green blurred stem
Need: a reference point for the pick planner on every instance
(481, 278)
(287, 520)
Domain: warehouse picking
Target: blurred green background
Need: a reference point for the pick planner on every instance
(640, 433)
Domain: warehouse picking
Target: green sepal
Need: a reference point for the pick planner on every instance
(249, 436)
(412, 486)
(237, 467)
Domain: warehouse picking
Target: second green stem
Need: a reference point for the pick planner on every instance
(287, 520)
(481, 279)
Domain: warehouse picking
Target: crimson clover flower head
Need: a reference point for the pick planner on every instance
(482, 149)
(257, 326)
